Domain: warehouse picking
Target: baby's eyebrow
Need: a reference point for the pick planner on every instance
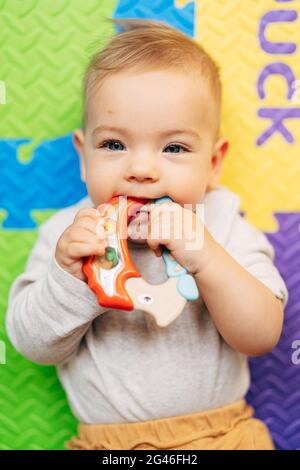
(167, 133)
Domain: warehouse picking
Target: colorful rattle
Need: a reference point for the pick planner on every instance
(116, 281)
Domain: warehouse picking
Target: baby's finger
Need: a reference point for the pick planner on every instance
(80, 250)
(95, 226)
(155, 246)
(153, 238)
(87, 212)
(158, 251)
(100, 228)
(160, 232)
(82, 235)
(167, 223)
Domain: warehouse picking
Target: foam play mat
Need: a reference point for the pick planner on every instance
(45, 45)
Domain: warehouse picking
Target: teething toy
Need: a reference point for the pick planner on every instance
(116, 281)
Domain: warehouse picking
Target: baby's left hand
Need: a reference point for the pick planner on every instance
(181, 231)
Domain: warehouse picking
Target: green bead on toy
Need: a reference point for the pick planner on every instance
(111, 255)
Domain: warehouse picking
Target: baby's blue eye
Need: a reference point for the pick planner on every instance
(116, 146)
(108, 142)
(176, 146)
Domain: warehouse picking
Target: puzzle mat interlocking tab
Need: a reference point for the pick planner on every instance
(44, 47)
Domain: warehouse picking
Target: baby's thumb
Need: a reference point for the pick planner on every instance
(155, 246)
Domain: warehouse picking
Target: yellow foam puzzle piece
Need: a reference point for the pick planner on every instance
(265, 176)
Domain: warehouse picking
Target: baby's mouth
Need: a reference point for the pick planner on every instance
(138, 225)
(137, 230)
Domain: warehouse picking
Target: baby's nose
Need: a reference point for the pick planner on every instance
(143, 178)
(143, 170)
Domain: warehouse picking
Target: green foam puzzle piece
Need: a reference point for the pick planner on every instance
(47, 45)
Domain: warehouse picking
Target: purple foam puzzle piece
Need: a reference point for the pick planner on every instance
(275, 378)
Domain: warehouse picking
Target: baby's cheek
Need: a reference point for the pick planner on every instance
(190, 194)
(99, 189)
(101, 184)
(187, 184)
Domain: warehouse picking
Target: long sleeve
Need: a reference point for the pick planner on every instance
(248, 245)
(252, 249)
(49, 310)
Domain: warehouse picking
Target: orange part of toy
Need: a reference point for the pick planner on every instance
(104, 278)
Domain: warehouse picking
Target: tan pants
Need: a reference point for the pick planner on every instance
(231, 427)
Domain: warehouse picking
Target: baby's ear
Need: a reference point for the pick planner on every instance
(78, 141)
(218, 154)
(221, 147)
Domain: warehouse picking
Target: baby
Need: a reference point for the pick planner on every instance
(130, 383)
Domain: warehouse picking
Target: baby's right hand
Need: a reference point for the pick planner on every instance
(84, 237)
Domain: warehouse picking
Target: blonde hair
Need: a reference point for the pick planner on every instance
(150, 45)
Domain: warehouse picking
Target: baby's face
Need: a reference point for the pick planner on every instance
(150, 134)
